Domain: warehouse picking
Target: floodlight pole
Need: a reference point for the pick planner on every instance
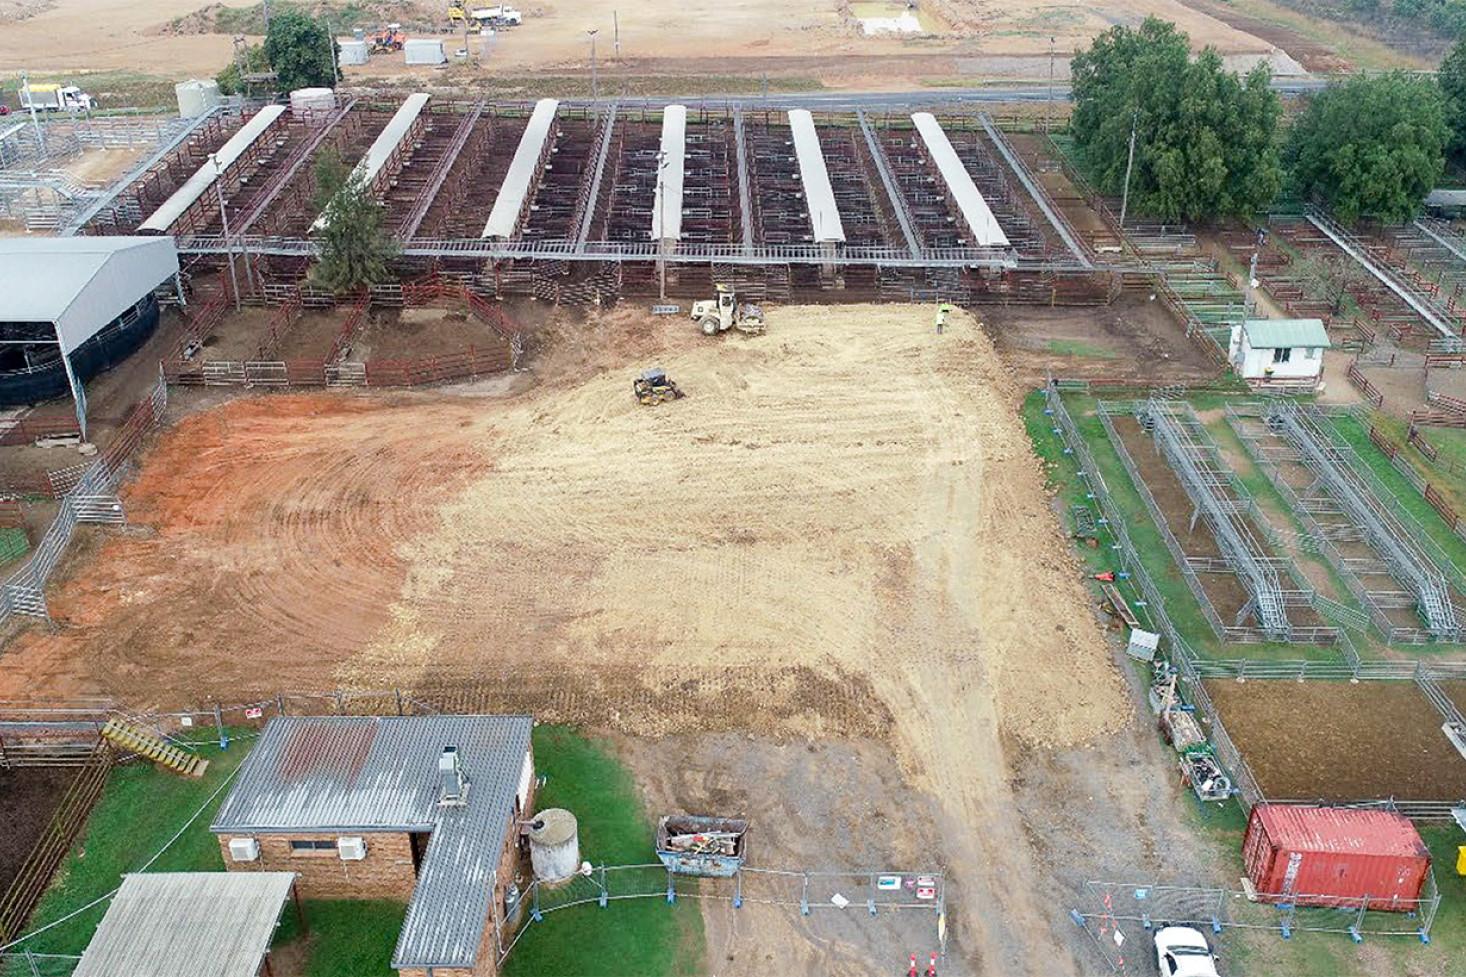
(224, 223)
(595, 79)
(1129, 165)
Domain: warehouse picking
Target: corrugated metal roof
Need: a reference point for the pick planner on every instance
(80, 283)
(346, 774)
(1334, 829)
(1285, 333)
(975, 210)
(667, 201)
(203, 178)
(386, 142)
(819, 198)
(505, 215)
(188, 924)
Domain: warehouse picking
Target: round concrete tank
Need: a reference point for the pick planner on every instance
(554, 845)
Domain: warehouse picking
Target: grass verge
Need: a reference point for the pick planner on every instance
(343, 938)
(632, 937)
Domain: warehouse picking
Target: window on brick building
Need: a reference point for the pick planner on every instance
(312, 844)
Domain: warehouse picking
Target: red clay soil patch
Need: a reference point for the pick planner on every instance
(1312, 55)
(1337, 741)
(28, 798)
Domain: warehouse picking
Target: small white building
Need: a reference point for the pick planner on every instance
(1284, 352)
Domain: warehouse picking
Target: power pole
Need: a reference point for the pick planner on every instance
(331, 52)
(266, 5)
(30, 100)
(616, 28)
(1049, 102)
(1129, 165)
(595, 78)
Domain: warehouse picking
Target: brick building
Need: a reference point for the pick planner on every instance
(417, 808)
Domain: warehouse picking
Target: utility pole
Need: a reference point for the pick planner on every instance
(595, 78)
(1129, 165)
(616, 29)
(266, 5)
(30, 99)
(331, 52)
(1049, 102)
(224, 224)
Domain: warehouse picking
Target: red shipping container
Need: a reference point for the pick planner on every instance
(1329, 856)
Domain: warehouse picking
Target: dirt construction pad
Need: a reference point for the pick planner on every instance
(840, 530)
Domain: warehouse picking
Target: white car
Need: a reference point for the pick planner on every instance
(1181, 951)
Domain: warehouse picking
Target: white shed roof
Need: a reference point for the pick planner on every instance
(80, 283)
(505, 215)
(975, 210)
(203, 178)
(188, 924)
(667, 204)
(385, 144)
(819, 198)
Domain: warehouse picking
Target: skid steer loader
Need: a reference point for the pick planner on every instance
(654, 386)
(726, 312)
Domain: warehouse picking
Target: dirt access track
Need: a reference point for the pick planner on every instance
(782, 37)
(841, 530)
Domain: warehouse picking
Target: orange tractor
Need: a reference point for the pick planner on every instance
(388, 39)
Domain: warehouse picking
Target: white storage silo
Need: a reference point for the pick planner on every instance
(353, 52)
(424, 50)
(196, 98)
(554, 845)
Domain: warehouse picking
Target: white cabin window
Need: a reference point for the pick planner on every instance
(1282, 354)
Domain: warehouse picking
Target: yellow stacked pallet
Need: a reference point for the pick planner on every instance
(129, 737)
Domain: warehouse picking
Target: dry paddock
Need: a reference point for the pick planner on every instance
(1341, 741)
(840, 532)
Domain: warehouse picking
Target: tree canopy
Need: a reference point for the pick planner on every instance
(1373, 146)
(355, 248)
(301, 51)
(1451, 76)
(1205, 143)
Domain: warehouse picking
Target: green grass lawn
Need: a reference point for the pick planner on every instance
(345, 938)
(1079, 348)
(141, 808)
(631, 937)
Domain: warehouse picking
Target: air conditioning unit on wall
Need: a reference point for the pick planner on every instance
(351, 849)
(243, 849)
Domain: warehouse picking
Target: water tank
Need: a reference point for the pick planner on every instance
(424, 50)
(554, 845)
(353, 52)
(196, 98)
(309, 100)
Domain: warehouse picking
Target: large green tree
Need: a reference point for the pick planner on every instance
(301, 51)
(1452, 79)
(1372, 147)
(355, 248)
(1205, 139)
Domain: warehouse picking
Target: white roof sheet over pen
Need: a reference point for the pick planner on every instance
(188, 924)
(979, 216)
(667, 205)
(505, 215)
(385, 144)
(819, 198)
(203, 178)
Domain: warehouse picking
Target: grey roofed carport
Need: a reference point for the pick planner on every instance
(188, 924)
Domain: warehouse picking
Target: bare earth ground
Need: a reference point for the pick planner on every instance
(841, 531)
(126, 34)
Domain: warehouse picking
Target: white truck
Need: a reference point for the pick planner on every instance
(501, 16)
(56, 98)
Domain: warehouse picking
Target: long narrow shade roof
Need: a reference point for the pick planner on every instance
(667, 204)
(975, 210)
(384, 145)
(188, 924)
(203, 178)
(819, 198)
(504, 218)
